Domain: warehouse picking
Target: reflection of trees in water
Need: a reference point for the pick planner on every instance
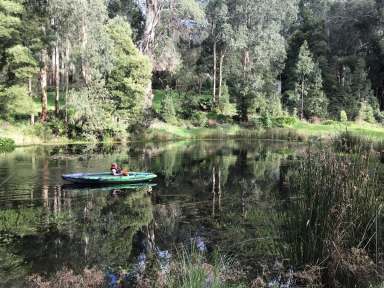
(116, 223)
(227, 196)
(97, 231)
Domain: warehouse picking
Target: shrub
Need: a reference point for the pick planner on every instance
(255, 122)
(57, 126)
(167, 110)
(366, 113)
(267, 121)
(91, 114)
(42, 131)
(343, 116)
(199, 119)
(329, 122)
(379, 115)
(7, 145)
(192, 103)
(15, 100)
(283, 121)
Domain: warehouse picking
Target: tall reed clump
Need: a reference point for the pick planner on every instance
(190, 269)
(285, 134)
(333, 216)
(348, 142)
(6, 145)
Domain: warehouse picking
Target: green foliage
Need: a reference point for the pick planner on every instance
(130, 77)
(89, 114)
(16, 62)
(309, 85)
(329, 122)
(42, 131)
(305, 65)
(199, 119)
(7, 145)
(167, 110)
(192, 103)
(366, 113)
(266, 121)
(10, 21)
(284, 121)
(316, 103)
(14, 100)
(343, 116)
(20, 62)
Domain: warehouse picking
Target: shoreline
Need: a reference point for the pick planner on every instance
(163, 132)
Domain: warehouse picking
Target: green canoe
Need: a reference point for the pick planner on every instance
(108, 188)
(107, 178)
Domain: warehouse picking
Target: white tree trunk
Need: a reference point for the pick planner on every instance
(302, 99)
(214, 73)
(152, 19)
(67, 57)
(43, 86)
(30, 95)
(222, 54)
(57, 79)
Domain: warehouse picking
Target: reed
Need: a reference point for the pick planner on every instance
(348, 142)
(190, 269)
(332, 218)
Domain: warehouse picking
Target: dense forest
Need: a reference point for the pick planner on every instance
(107, 67)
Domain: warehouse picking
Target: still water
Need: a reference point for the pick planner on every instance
(215, 194)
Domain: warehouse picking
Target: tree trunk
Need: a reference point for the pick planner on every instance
(30, 95)
(43, 86)
(57, 79)
(148, 96)
(84, 62)
(222, 54)
(219, 187)
(213, 191)
(214, 73)
(244, 96)
(152, 18)
(302, 99)
(67, 51)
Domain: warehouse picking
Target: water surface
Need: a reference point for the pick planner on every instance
(215, 194)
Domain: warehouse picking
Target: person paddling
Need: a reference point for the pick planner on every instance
(117, 171)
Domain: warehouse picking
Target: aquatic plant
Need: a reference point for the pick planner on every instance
(333, 214)
(190, 269)
(348, 142)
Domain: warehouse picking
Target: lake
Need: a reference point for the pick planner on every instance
(214, 195)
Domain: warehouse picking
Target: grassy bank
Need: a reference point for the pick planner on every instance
(300, 131)
(25, 134)
(371, 131)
